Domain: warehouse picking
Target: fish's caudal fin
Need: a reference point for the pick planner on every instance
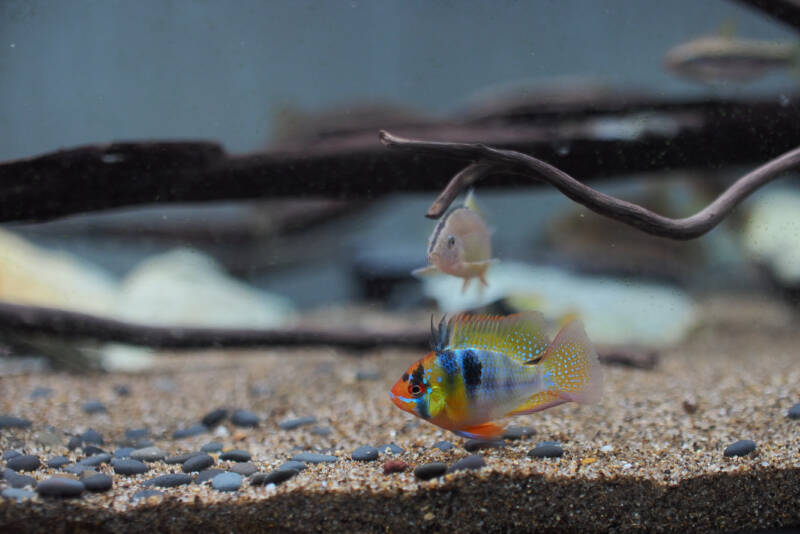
(570, 366)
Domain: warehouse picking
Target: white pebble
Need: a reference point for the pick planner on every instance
(606, 448)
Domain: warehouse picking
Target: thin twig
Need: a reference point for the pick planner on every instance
(509, 161)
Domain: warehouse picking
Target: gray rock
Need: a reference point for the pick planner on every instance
(60, 487)
(148, 454)
(208, 474)
(98, 483)
(57, 461)
(365, 453)
(168, 481)
(197, 463)
(321, 431)
(182, 458)
(215, 417)
(18, 481)
(546, 450)
(473, 445)
(276, 477)
(244, 468)
(11, 454)
(235, 456)
(390, 448)
(431, 470)
(24, 462)
(227, 481)
(291, 424)
(92, 436)
(40, 393)
(213, 446)
(74, 469)
(740, 448)
(194, 430)
(794, 412)
(136, 433)
(91, 450)
(292, 464)
(443, 446)
(128, 466)
(17, 494)
(244, 418)
(95, 460)
(470, 462)
(9, 421)
(314, 458)
(123, 452)
(513, 433)
(94, 406)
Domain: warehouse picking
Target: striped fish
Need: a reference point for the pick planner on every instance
(484, 368)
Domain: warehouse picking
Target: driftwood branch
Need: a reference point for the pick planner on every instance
(490, 160)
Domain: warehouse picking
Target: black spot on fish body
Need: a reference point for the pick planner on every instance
(418, 375)
(472, 370)
(405, 377)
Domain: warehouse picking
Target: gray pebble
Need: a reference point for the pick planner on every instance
(148, 454)
(276, 477)
(470, 462)
(123, 452)
(95, 460)
(136, 433)
(99, 482)
(227, 481)
(365, 453)
(473, 445)
(17, 494)
(182, 458)
(48, 439)
(293, 464)
(213, 446)
(215, 417)
(197, 463)
(60, 487)
(291, 424)
(24, 462)
(740, 448)
(546, 450)
(9, 421)
(57, 461)
(518, 432)
(194, 430)
(314, 458)
(91, 450)
(74, 469)
(168, 481)
(146, 494)
(128, 466)
(321, 431)
(41, 393)
(122, 390)
(74, 443)
(443, 445)
(11, 454)
(207, 475)
(94, 406)
(244, 468)
(368, 375)
(237, 455)
(92, 436)
(244, 418)
(18, 481)
(794, 412)
(391, 448)
(431, 470)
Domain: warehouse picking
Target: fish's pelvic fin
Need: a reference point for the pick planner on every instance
(479, 269)
(490, 430)
(424, 271)
(570, 366)
(538, 402)
(465, 285)
(521, 336)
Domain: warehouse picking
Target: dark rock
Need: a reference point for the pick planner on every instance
(194, 430)
(443, 445)
(394, 466)
(123, 452)
(291, 424)
(235, 456)
(390, 448)
(368, 375)
(546, 450)
(9, 421)
(128, 466)
(206, 475)
(197, 463)
(740, 448)
(11, 454)
(122, 390)
(99, 482)
(431, 470)
(95, 460)
(57, 461)
(473, 445)
(276, 477)
(136, 433)
(168, 481)
(293, 464)
(148, 454)
(213, 446)
(74, 443)
(74, 469)
(146, 494)
(182, 458)
(513, 433)
(227, 481)
(60, 487)
(794, 411)
(244, 468)
(215, 417)
(24, 462)
(17, 494)
(18, 481)
(142, 443)
(244, 418)
(365, 453)
(92, 436)
(470, 462)
(321, 431)
(314, 458)
(41, 393)
(91, 450)
(94, 406)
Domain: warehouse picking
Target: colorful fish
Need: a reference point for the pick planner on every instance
(460, 245)
(483, 368)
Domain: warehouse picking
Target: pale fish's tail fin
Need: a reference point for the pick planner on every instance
(570, 371)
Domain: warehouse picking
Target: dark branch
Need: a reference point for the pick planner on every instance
(508, 161)
(785, 11)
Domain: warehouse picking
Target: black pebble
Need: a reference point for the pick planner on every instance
(213, 446)
(244, 468)
(443, 445)
(94, 406)
(518, 432)
(98, 482)
(122, 390)
(194, 430)
(236, 456)
(182, 458)
(321, 431)
(244, 418)
(75, 469)
(18, 495)
(95, 460)
(314, 458)
(123, 452)
(215, 417)
(11, 454)
(391, 448)
(92, 436)
(546, 450)
(24, 462)
(206, 475)
(169, 481)
(60, 487)
(431, 470)
(291, 424)
(18, 481)
(470, 462)
(292, 464)
(740, 448)
(57, 461)
(41, 393)
(197, 463)
(473, 445)
(127, 466)
(276, 477)
(136, 433)
(74, 443)
(794, 411)
(145, 494)
(90, 450)
(9, 421)
(365, 453)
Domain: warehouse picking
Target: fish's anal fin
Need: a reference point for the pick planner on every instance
(424, 271)
(538, 402)
(570, 366)
(521, 336)
(489, 430)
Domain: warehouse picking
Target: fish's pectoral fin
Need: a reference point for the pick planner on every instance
(425, 271)
(489, 430)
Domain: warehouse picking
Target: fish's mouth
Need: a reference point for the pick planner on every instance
(401, 402)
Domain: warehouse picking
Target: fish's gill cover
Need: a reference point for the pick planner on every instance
(522, 336)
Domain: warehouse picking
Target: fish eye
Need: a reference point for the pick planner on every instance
(416, 390)
(451, 241)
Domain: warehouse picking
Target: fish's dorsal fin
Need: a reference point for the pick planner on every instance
(521, 336)
(472, 205)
